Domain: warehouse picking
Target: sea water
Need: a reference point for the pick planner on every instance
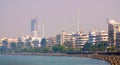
(48, 60)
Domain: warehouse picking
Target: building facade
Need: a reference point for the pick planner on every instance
(92, 37)
(113, 28)
(8, 43)
(102, 36)
(29, 42)
(62, 37)
(34, 28)
(98, 37)
(51, 41)
(118, 40)
(80, 41)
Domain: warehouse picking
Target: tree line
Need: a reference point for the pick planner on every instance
(66, 47)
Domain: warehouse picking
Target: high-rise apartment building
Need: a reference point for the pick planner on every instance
(113, 29)
(118, 40)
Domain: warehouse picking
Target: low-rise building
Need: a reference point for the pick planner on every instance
(102, 36)
(62, 37)
(81, 41)
(7, 43)
(92, 37)
(51, 41)
(28, 41)
(95, 37)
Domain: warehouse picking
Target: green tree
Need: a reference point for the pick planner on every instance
(71, 49)
(101, 45)
(46, 49)
(68, 44)
(37, 49)
(13, 46)
(87, 47)
(55, 48)
(59, 48)
(111, 48)
(43, 42)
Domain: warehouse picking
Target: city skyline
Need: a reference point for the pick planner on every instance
(16, 16)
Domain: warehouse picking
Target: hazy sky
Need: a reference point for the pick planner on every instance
(16, 15)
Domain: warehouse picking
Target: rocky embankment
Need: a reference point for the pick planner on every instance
(113, 59)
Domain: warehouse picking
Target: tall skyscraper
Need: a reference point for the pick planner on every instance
(34, 28)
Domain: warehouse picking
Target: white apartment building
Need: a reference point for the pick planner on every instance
(102, 36)
(51, 41)
(81, 41)
(95, 37)
(6, 42)
(113, 29)
(92, 37)
(28, 41)
(62, 37)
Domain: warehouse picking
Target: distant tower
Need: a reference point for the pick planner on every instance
(78, 24)
(43, 28)
(34, 28)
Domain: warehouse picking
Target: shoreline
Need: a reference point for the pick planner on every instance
(112, 59)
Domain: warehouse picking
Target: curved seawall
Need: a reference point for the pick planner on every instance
(113, 59)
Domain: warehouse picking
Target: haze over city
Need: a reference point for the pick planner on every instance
(16, 15)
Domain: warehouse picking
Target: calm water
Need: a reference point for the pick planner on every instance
(48, 60)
